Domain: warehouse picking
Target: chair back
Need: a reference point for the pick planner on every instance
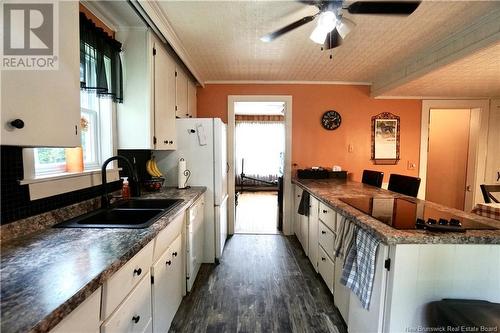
(373, 178)
(487, 191)
(404, 184)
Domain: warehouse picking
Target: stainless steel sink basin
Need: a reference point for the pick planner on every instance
(132, 214)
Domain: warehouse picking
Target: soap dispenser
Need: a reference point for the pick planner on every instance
(125, 189)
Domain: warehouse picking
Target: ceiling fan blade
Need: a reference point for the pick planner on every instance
(332, 40)
(273, 35)
(383, 7)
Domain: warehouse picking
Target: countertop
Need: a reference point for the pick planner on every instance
(330, 190)
(47, 274)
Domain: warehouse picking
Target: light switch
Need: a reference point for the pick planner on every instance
(411, 165)
(350, 148)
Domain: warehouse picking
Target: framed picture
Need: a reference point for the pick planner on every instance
(385, 138)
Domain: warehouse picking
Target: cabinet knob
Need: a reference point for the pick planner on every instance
(171, 142)
(169, 262)
(325, 211)
(323, 232)
(17, 123)
(136, 319)
(174, 254)
(165, 142)
(138, 271)
(323, 259)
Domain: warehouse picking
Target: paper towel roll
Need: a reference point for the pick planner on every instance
(183, 174)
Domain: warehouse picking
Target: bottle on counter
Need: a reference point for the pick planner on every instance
(125, 189)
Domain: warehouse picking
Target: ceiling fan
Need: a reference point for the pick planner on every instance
(332, 27)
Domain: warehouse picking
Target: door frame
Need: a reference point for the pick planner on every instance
(478, 143)
(287, 177)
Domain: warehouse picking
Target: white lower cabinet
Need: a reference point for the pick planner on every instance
(313, 232)
(134, 314)
(326, 268)
(83, 319)
(167, 286)
(342, 293)
(296, 216)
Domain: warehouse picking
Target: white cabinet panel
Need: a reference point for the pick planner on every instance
(326, 268)
(304, 233)
(84, 319)
(192, 102)
(296, 215)
(168, 235)
(168, 286)
(181, 94)
(134, 314)
(328, 216)
(164, 99)
(194, 241)
(326, 239)
(121, 283)
(342, 293)
(313, 232)
(47, 101)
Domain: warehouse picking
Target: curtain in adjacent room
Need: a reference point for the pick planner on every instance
(100, 63)
(261, 144)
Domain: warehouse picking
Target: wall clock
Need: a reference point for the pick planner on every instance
(331, 120)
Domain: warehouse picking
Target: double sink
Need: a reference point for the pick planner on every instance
(131, 214)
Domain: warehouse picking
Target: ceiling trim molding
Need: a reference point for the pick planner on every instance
(350, 83)
(483, 33)
(96, 8)
(157, 16)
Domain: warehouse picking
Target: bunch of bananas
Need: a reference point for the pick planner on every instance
(152, 168)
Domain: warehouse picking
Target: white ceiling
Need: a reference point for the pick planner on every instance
(477, 75)
(222, 39)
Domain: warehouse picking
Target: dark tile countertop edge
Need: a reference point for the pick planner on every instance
(329, 191)
(23, 309)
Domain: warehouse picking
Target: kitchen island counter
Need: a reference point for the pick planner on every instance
(47, 274)
(329, 191)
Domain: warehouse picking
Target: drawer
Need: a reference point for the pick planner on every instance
(84, 319)
(326, 268)
(168, 235)
(326, 239)
(134, 314)
(122, 282)
(196, 210)
(327, 215)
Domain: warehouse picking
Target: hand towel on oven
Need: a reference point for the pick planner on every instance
(359, 268)
(344, 239)
(304, 204)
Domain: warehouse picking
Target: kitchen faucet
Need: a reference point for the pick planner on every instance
(135, 189)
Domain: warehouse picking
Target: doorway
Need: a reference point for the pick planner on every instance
(259, 156)
(448, 153)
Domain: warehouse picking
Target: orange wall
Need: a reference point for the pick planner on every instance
(312, 145)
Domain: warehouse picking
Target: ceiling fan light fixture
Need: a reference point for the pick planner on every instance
(344, 27)
(326, 22)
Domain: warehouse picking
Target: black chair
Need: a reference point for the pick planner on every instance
(373, 178)
(404, 184)
(487, 190)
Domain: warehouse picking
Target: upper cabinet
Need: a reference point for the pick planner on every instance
(185, 96)
(192, 100)
(146, 118)
(42, 107)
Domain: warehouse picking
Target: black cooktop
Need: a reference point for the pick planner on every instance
(406, 213)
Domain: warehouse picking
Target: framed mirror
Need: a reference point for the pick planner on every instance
(385, 138)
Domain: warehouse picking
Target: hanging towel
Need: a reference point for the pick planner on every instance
(359, 268)
(344, 239)
(304, 204)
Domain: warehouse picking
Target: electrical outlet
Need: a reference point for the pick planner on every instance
(411, 165)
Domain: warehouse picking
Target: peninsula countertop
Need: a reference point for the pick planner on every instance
(329, 191)
(47, 274)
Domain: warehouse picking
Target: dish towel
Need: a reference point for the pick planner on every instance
(359, 268)
(304, 204)
(344, 239)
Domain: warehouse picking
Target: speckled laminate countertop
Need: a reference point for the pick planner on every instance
(330, 190)
(47, 274)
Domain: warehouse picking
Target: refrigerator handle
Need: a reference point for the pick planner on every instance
(227, 167)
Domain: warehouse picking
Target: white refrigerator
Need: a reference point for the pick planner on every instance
(202, 143)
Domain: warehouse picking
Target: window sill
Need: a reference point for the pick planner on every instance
(54, 184)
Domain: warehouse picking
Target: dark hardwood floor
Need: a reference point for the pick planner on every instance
(264, 283)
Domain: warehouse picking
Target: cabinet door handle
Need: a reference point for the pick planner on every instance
(136, 319)
(17, 123)
(323, 259)
(169, 262)
(325, 211)
(171, 142)
(138, 271)
(323, 232)
(174, 254)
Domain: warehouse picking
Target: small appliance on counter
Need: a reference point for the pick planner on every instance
(408, 213)
(321, 173)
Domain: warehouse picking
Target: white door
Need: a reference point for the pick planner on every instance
(220, 227)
